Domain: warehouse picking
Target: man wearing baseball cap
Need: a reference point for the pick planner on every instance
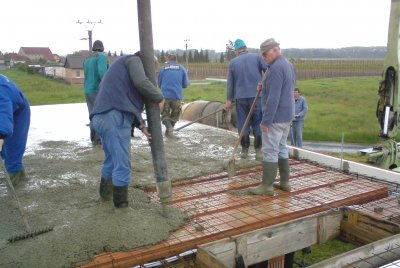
(277, 113)
(244, 73)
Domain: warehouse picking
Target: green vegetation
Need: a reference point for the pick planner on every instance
(322, 252)
(336, 105)
(42, 90)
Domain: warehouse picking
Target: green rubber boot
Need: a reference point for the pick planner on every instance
(106, 189)
(284, 172)
(16, 177)
(270, 169)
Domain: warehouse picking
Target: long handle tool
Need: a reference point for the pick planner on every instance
(231, 168)
(198, 119)
(28, 233)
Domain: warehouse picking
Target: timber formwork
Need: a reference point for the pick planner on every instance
(218, 207)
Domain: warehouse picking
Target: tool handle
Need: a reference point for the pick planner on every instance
(197, 120)
(253, 105)
(11, 187)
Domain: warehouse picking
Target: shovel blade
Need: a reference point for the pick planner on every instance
(231, 168)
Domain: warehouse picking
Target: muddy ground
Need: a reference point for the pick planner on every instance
(62, 191)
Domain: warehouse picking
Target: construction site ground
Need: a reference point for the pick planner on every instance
(62, 191)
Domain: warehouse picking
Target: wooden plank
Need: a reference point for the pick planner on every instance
(206, 260)
(364, 252)
(274, 241)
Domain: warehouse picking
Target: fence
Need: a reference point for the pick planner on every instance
(305, 69)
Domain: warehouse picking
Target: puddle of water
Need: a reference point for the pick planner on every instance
(58, 122)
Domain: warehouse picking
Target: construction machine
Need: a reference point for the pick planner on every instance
(386, 153)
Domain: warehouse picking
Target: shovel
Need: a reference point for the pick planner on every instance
(231, 164)
(198, 119)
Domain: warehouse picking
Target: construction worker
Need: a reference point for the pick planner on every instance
(300, 111)
(15, 116)
(94, 66)
(172, 78)
(244, 73)
(118, 105)
(278, 112)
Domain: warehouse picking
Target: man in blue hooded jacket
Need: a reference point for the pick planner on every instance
(117, 108)
(15, 118)
(244, 74)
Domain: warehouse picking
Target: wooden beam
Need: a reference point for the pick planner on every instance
(266, 243)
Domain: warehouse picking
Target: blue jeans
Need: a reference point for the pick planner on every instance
(274, 142)
(114, 128)
(14, 146)
(242, 110)
(296, 133)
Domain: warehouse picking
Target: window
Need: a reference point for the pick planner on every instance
(78, 74)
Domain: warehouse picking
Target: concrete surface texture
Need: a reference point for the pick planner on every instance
(62, 190)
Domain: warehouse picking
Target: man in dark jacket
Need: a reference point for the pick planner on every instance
(15, 116)
(118, 105)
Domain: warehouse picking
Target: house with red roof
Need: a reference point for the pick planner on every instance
(37, 53)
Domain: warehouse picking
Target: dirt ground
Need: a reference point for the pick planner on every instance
(62, 191)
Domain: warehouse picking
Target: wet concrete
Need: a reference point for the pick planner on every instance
(62, 190)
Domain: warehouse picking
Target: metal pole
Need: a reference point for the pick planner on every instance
(152, 110)
(90, 40)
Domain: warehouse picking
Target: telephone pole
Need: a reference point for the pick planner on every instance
(187, 56)
(89, 25)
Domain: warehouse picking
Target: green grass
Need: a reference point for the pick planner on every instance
(42, 90)
(336, 105)
(323, 251)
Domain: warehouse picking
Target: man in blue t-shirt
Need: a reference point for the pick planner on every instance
(172, 79)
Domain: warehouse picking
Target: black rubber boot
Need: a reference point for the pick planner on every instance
(106, 189)
(245, 142)
(169, 129)
(258, 147)
(120, 196)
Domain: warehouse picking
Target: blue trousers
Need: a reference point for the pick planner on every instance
(114, 128)
(14, 146)
(242, 110)
(274, 142)
(296, 133)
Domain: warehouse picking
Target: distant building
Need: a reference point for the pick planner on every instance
(73, 65)
(13, 58)
(37, 53)
(2, 61)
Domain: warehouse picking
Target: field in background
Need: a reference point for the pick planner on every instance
(339, 105)
(305, 69)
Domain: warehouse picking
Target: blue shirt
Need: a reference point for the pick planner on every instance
(244, 73)
(277, 94)
(172, 79)
(301, 109)
(12, 100)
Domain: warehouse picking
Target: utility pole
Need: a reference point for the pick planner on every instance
(89, 25)
(187, 56)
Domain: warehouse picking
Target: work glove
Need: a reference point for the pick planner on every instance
(1, 144)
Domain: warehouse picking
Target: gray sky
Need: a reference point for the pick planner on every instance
(208, 24)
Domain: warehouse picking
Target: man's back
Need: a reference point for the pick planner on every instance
(172, 79)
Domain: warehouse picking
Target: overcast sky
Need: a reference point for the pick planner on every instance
(208, 24)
